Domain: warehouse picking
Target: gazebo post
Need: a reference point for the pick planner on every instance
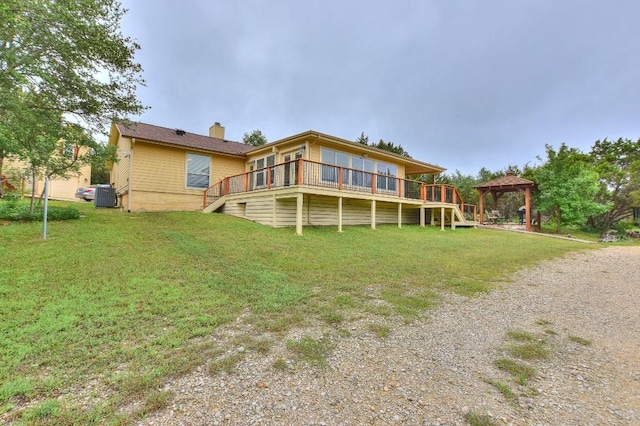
(527, 205)
(482, 194)
(509, 183)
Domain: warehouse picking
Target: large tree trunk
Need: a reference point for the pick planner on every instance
(558, 220)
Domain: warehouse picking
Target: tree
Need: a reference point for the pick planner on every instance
(73, 55)
(255, 138)
(66, 72)
(386, 146)
(391, 147)
(464, 183)
(615, 162)
(363, 139)
(567, 187)
(51, 147)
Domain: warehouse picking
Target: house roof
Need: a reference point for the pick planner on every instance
(180, 138)
(508, 181)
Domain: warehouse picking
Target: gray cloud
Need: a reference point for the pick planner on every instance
(458, 83)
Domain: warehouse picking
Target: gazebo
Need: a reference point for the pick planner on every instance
(508, 183)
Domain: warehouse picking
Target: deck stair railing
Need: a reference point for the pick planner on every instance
(314, 174)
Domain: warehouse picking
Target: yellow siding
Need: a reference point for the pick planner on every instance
(120, 169)
(222, 167)
(317, 211)
(158, 178)
(410, 215)
(158, 169)
(164, 201)
(322, 210)
(314, 153)
(286, 212)
(281, 150)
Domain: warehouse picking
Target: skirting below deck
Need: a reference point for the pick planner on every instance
(301, 206)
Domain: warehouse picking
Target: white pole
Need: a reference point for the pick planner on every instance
(46, 206)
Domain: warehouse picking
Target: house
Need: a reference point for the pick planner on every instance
(307, 179)
(17, 177)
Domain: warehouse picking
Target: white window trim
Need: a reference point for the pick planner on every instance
(186, 171)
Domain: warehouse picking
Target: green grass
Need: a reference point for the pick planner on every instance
(505, 390)
(477, 419)
(280, 364)
(380, 330)
(226, 364)
(580, 340)
(532, 350)
(522, 336)
(130, 300)
(310, 350)
(519, 371)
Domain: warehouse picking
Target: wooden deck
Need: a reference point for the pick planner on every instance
(308, 193)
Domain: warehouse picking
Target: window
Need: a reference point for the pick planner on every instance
(198, 167)
(360, 178)
(339, 159)
(260, 175)
(386, 176)
(361, 173)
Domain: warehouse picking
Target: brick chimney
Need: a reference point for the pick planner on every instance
(216, 131)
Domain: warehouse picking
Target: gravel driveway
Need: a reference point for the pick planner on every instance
(584, 307)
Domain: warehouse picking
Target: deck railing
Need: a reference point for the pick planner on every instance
(311, 173)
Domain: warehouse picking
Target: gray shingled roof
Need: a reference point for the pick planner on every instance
(166, 136)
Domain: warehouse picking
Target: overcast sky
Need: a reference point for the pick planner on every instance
(463, 84)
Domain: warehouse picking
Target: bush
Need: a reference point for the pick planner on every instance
(15, 212)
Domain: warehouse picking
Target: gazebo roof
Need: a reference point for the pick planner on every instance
(510, 181)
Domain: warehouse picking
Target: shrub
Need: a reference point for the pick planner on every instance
(14, 212)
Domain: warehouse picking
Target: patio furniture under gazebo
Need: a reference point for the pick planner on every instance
(508, 183)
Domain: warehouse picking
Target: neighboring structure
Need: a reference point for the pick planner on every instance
(59, 189)
(306, 179)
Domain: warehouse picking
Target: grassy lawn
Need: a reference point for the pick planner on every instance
(128, 300)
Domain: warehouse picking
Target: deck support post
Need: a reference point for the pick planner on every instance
(422, 214)
(442, 218)
(299, 205)
(399, 215)
(274, 211)
(373, 214)
(339, 214)
(453, 219)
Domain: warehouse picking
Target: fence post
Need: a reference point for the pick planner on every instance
(268, 177)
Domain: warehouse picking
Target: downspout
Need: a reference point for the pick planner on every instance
(130, 177)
